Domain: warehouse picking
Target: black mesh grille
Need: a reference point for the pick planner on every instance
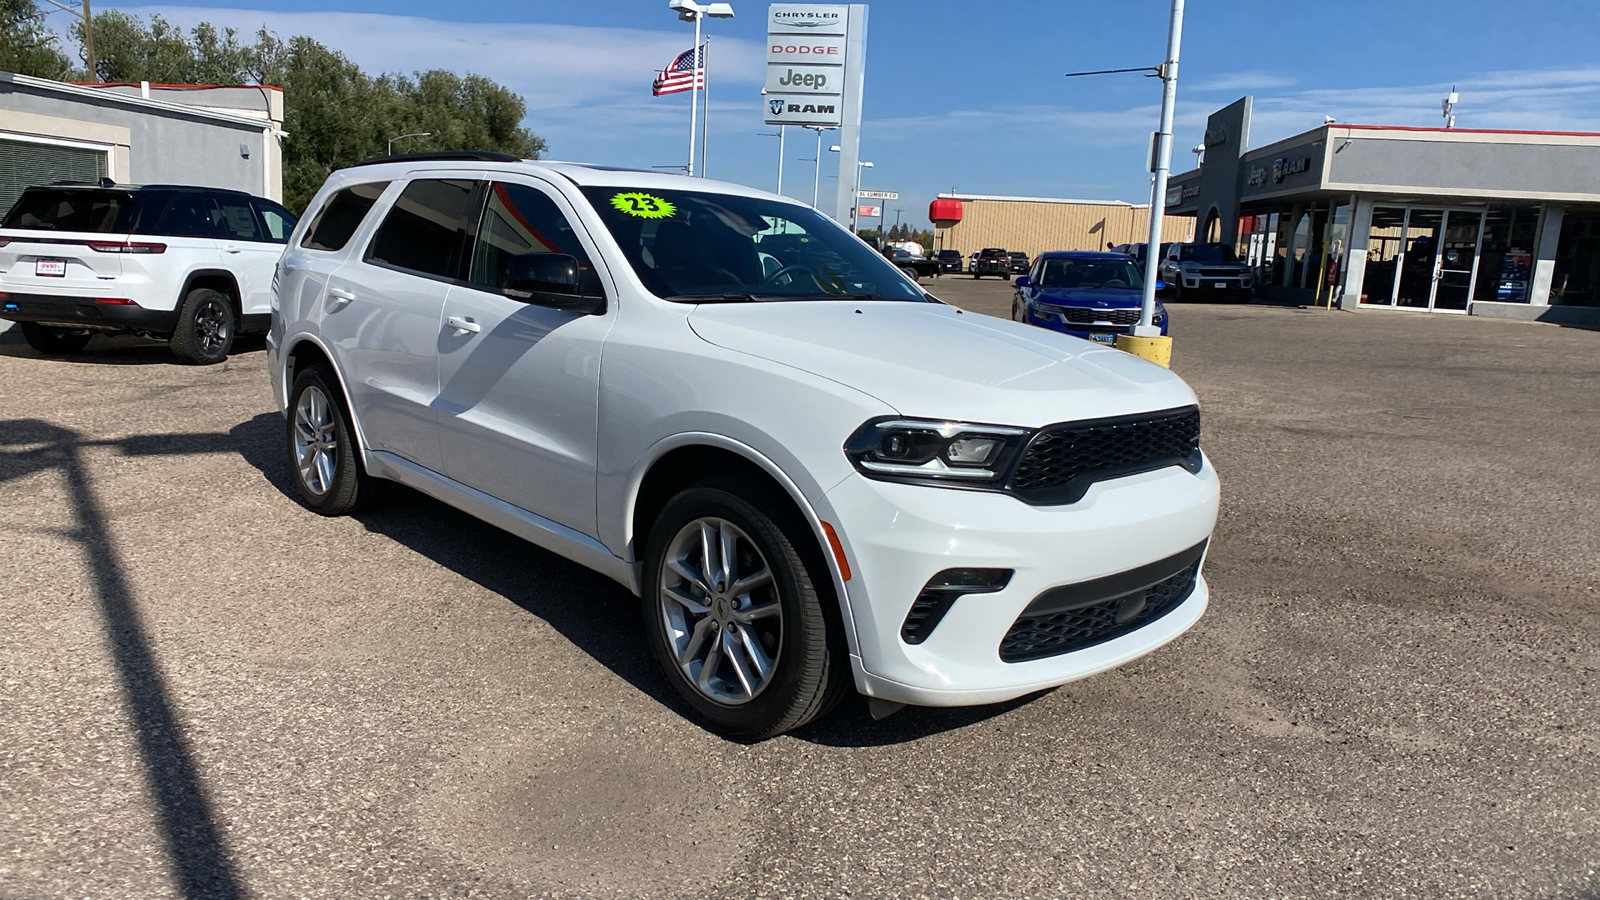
(1220, 273)
(1081, 315)
(1062, 461)
(1036, 636)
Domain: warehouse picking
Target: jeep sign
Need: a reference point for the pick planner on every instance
(804, 79)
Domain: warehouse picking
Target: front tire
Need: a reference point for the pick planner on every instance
(206, 326)
(322, 448)
(736, 610)
(52, 341)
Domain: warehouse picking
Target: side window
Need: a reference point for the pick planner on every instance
(189, 215)
(236, 220)
(339, 218)
(521, 219)
(426, 228)
(279, 221)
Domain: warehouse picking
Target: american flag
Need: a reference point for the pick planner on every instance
(685, 73)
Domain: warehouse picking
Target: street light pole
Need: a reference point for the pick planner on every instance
(694, 91)
(1158, 195)
(401, 137)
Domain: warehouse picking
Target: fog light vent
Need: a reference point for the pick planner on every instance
(941, 592)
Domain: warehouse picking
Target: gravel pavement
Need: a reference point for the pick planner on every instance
(207, 691)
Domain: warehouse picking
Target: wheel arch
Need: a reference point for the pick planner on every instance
(307, 350)
(220, 280)
(681, 460)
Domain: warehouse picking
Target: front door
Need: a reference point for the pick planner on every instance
(519, 384)
(1422, 259)
(1458, 253)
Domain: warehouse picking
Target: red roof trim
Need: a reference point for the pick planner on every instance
(179, 87)
(1437, 130)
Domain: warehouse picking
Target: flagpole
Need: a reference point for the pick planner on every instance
(694, 93)
(780, 158)
(705, 111)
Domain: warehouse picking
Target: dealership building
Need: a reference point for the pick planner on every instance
(1499, 223)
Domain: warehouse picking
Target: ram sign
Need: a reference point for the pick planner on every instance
(806, 51)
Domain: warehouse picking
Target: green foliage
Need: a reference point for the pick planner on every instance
(334, 114)
(27, 45)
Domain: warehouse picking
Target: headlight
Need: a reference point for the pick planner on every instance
(923, 451)
(1160, 316)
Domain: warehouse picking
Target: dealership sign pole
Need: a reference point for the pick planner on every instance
(815, 55)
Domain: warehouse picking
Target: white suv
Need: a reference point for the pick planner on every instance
(188, 265)
(811, 471)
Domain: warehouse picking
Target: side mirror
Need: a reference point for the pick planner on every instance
(1022, 281)
(548, 279)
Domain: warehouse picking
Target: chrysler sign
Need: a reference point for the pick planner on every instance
(806, 18)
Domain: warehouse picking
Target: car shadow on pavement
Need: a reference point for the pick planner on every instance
(127, 350)
(189, 828)
(599, 616)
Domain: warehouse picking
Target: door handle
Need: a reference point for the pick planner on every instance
(340, 297)
(463, 325)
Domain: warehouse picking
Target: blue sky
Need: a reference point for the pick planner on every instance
(973, 98)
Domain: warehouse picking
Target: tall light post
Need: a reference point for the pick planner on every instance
(401, 137)
(1158, 199)
(816, 177)
(855, 202)
(691, 11)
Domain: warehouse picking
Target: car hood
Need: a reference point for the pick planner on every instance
(932, 360)
(1094, 298)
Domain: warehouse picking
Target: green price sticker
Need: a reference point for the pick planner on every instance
(644, 206)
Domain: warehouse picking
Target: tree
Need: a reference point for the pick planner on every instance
(27, 45)
(334, 114)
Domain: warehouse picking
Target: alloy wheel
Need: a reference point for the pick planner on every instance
(720, 606)
(211, 326)
(315, 441)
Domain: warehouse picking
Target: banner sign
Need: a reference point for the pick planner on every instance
(868, 211)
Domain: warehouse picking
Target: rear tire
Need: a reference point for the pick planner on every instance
(206, 327)
(782, 620)
(53, 341)
(322, 448)
(911, 273)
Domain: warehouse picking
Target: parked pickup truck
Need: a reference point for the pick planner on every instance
(993, 261)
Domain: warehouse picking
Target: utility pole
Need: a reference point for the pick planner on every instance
(88, 40)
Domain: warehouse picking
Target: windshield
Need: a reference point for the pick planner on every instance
(100, 212)
(1090, 274)
(1207, 253)
(694, 246)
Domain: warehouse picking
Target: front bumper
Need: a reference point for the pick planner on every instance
(1231, 285)
(68, 311)
(899, 536)
(1101, 332)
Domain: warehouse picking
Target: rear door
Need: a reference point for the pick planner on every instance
(247, 252)
(385, 306)
(519, 383)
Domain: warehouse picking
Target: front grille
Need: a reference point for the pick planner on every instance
(1082, 315)
(1220, 273)
(1062, 461)
(1073, 618)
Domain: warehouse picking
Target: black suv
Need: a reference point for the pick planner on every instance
(993, 261)
(951, 261)
(1020, 263)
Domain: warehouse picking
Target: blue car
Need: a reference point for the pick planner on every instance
(1090, 295)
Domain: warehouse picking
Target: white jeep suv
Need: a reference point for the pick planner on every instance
(191, 266)
(811, 471)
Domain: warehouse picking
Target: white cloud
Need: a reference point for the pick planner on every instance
(551, 66)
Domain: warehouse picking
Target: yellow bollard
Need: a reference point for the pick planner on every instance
(1156, 349)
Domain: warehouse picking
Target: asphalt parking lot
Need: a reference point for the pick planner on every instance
(206, 690)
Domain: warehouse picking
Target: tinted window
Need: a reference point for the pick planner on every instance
(520, 219)
(426, 228)
(1089, 274)
(279, 221)
(189, 215)
(1212, 253)
(99, 212)
(339, 218)
(690, 245)
(235, 219)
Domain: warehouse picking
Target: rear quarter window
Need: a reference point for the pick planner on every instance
(96, 212)
(336, 222)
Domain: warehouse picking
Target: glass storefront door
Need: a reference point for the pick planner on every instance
(1422, 258)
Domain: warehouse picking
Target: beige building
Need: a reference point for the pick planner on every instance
(1036, 224)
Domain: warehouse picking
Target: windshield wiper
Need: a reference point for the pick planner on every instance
(716, 298)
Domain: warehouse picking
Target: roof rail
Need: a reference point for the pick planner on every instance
(103, 182)
(440, 156)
